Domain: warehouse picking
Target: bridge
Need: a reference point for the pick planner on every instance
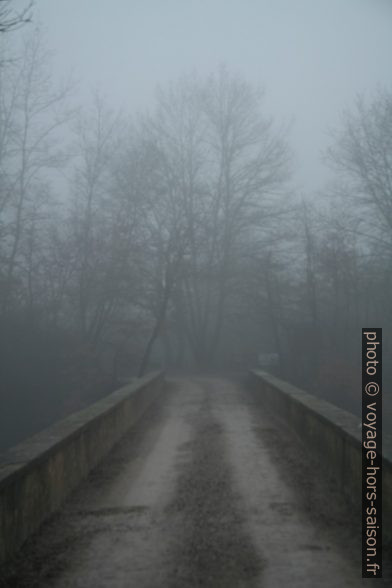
(190, 481)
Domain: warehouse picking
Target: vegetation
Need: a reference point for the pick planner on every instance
(175, 239)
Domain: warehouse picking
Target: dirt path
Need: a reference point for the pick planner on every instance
(206, 491)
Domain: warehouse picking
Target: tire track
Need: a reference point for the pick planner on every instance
(215, 549)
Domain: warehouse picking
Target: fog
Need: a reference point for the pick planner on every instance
(200, 186)
(312, 57)
(195, 229)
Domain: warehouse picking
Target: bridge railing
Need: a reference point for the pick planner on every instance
(37, 475)
(331, 434)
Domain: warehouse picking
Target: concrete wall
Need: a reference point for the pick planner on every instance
(333, 436)
(37, 475)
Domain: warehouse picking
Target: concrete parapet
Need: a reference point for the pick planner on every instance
(331, 434)
(37, 475)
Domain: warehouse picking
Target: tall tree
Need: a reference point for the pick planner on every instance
(33, 111)
(223, 167)
(362, 156)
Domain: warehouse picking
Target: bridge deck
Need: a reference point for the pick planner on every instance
(207, 490)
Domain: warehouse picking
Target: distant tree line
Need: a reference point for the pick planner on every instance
(174, 239)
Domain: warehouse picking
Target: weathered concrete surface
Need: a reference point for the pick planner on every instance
(332, 434)
(207, 490)
(37, 475)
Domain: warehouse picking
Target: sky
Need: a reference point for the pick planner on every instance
(312, 56)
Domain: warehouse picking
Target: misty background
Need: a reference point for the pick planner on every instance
(191, 185)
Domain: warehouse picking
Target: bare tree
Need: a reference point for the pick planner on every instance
(250, 167)
(35, 112)
(362, 156)
(94, 297)
(221, 172)
(10, 18)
